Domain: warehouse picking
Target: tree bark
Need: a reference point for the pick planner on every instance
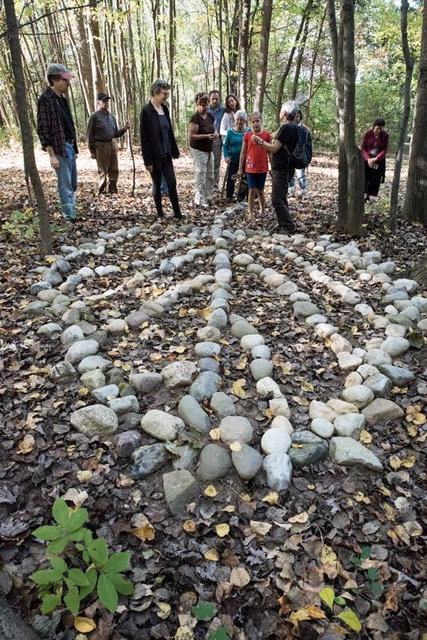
(415, 207)
(24, 123)
(244, 52)
(263, 55)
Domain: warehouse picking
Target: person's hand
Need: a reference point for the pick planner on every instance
(149, 168)
(54, 162)
(212, 136)
(257, 139)
(371, 162)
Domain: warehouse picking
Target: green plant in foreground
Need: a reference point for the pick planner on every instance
(361, 562)
(328, 596)
(22, 224)
(96, 570)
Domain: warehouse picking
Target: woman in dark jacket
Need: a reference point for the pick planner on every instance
(159, 146)
(374, 148)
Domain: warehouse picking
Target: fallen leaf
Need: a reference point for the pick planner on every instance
(237, 388)
(236, 446)
(365, 437)
(84, 476)
(239, 577)
(84, 625)
(242, 364)
(78, 498)
(26, 445)
(212, 554)
(271, 498)
(300, 518)
(164, 610)
(190, 526)
(222, 530)
(350, 618)
(260, 528)
(210, 491)
(215, 434)
(229, 508)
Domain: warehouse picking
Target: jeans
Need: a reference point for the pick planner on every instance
(163, 168)
(67, 181)
(279, 199)
(203, 175)
(301, 177)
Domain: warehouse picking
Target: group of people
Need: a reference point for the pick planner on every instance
(214, 131)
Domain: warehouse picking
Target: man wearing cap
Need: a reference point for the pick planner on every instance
(102, 130)
(55, 128)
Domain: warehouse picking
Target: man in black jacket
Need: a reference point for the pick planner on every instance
(282, 168)
(159, 146)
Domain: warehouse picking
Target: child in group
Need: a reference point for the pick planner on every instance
(254, 161)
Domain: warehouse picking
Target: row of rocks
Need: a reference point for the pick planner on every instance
(335, 424)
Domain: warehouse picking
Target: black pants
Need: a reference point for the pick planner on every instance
(232, 169)
(373, 178)
(279, 199)
(164, 166)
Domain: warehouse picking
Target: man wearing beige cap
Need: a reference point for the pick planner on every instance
(55, 128)
(102, 130)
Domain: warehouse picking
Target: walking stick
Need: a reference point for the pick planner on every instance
(133, 163)
(224, 182)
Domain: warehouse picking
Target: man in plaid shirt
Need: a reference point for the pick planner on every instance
(55, 128)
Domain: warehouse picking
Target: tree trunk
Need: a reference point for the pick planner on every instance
(289, 65)
(244, 51)
(301, 50)
(415, 206)
(263, 55)
(24, 122)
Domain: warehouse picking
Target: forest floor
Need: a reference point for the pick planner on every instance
(363, 533)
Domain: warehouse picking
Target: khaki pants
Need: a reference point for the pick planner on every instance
(108, 166)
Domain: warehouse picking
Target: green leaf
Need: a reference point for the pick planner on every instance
(91, 577)
(59, 564)
(356, 561)
(49, 602)
(57, 546)
(203, 610)
(98, 551)
(76, 520)
(117, 562)
(78, 577)
(372, 573)
(77, 535)
(341, 601)
(72, 600)
(107, 593)
(327, 594)
(350, 618)
(46, 576)
(377, 588)
(60, 512)
(219, 634)
(47, 533)
(125, 587)
(365, 553)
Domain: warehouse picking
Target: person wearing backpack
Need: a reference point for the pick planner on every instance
(300, 177)
(283, 163)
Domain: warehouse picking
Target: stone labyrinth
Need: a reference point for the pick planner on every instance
(183, 350)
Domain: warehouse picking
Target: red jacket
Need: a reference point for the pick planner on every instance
(370, 142)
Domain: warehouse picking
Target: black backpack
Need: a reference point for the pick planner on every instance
(301, 156)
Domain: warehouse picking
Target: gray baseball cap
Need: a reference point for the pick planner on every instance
(56, 69)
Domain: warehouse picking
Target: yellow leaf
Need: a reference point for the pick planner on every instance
(300, 518)
(229, 508)
(84, 476)
(84, 625)
(146, 532)
(239, 577)
(215, 434)
(212, 554)
(327, 594)
(350, 618)
(164, 610)
(206, 313)
(222, 530)
(413, 528)
(287, 369)
(298, 616)
(385, 491)
(189, 526)
(76, 496)
(303, 402)
(27, 444)
(314, 612)
(389, 512)
(311, 487)
(184, 633)
(328, 555)
(182, 312)
(156, 357)
(360, 497)
(395, 462)
(237, 388)
(242, 364)
(412, 430)
(236, 446)
(179, 349)
(260, 528)
(408, 462)
(271, 498)
(83, 392)
(246, 497)
(210, 491)
(307, 386)
(365, 437)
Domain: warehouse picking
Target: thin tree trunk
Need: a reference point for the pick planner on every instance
(313, 64)
(263, 55)
(289, 64)
(24, 122)
(301, 50)
(244, 51)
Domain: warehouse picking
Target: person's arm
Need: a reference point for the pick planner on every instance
(270, 147)
(364, 146)
(90, 136)
(242, 159)
(120, 132)
(382, 154)
(144, 127)
(44, 130)
(224, 125)
(226, 147)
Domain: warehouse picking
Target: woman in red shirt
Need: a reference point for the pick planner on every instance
(374, 148)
